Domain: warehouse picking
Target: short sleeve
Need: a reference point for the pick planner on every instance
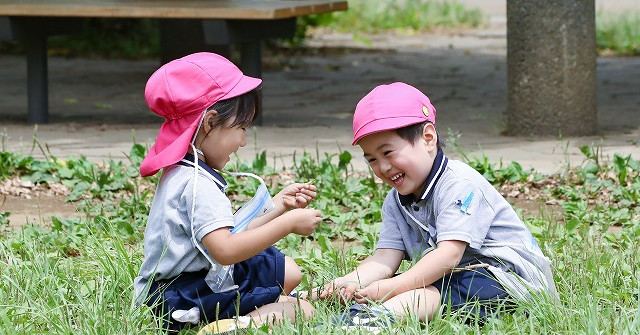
(390, 236)
(212, 207)
(463, 213)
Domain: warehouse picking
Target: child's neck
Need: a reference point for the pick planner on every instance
(199, 152)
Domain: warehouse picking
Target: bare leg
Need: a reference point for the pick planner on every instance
(421, 302)
(292, 275)
(285, 308)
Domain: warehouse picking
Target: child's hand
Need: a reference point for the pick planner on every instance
(304, 221)
(380, 290)
(341, 288)
(297, 195)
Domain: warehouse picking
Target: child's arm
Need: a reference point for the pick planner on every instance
(227, 248)
(430, 268)
(382, 264)
(296, 195)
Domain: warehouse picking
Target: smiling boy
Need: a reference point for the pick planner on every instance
(467, 245)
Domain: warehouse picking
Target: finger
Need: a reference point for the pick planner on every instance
(323, 294)
(343, 295)
(301, 199)
(310, 186)
(348, 295)
(308, 195)
(328, 289)
(309, 191)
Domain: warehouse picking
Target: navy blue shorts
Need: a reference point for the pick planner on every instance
(477, 289)
(260, 280)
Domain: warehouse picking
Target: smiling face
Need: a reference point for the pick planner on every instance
(399, 163)
(219, 143)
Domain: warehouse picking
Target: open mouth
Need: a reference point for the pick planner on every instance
(397, 179)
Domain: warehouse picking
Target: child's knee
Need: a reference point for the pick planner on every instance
(306, 308)
(292, 275)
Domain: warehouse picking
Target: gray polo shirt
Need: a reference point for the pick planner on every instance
(458, 203)
(168, 248)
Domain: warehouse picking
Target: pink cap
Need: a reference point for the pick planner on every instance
(180, 91)
(389, 107)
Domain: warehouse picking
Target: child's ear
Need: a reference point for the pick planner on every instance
(429, 135)
(209, 119)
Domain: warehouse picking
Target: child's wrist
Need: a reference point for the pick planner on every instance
(278, 202)
(282, 207)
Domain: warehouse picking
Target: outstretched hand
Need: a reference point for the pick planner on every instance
(297, 195)
(380, 291)
(340, 288)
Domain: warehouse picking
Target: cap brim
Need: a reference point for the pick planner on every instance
(171, 144)
(380, 125)
(245, 85)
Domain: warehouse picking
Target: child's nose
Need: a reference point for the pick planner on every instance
(384, 165)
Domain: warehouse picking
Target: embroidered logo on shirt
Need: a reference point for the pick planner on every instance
(464, 205)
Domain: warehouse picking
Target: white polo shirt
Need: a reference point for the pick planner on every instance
(458, 203)
(168, 247)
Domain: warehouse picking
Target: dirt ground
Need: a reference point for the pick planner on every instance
(97, 107)
(36, 205)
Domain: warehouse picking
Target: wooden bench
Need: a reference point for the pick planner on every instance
(214, 22)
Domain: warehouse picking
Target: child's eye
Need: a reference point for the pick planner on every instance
(387, 152)
(371, 160)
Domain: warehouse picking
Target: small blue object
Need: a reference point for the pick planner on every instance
(464, 205)
(365, 318)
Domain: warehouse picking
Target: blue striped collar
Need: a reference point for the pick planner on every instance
(188, 160)
(437, 169)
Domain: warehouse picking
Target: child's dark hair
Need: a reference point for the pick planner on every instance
(243, 109)
(412, 132)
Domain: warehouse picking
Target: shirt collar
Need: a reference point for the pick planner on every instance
(222, 184)
(437, 169)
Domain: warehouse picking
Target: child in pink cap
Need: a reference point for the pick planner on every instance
(198, 265)
(468, 247)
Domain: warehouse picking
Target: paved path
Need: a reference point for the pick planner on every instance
(97, 106)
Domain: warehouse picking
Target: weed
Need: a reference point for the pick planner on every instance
(618, 34)
(371, 17)
(76, 275)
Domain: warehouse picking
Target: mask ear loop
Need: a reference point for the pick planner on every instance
(195, 189)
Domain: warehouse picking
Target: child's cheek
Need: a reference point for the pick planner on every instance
(381, 176)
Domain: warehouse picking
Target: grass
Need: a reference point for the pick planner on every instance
(75, 277)
(401, 15)
(618, 34)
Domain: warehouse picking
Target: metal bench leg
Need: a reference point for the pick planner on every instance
(251, 64)
(37, 78)
(180, 37)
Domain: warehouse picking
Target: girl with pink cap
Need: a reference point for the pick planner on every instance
(201, 262)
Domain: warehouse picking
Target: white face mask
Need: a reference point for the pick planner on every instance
(260, 204)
